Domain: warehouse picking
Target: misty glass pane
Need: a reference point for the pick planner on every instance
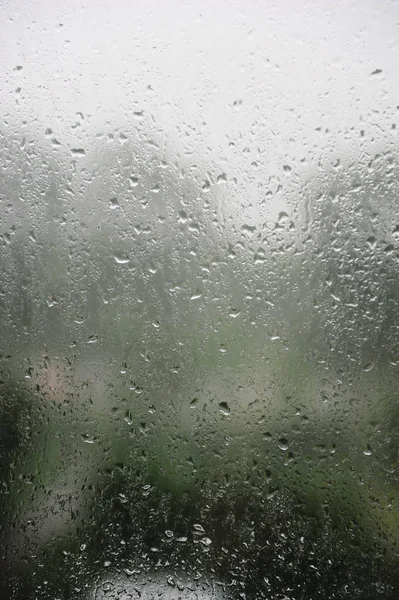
(199, 300)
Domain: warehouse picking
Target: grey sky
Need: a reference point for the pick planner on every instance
(285, 82)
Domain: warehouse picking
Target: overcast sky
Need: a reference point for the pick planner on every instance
(286, 82)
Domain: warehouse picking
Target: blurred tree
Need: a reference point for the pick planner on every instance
(173, 371)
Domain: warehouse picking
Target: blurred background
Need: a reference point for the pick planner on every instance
(199, 244)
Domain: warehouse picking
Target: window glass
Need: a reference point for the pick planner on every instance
(199, 249)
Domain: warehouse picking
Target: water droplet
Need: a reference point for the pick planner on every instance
(224, 408)
(283, 218)
(248, 229)
(193, 226)
(271, 495)
(78, 151)
(283, 444)
(197, 294)
(121, 260)
(206, 541)
(51, 302)
(128, 418)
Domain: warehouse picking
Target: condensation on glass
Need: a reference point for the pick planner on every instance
(199, 245)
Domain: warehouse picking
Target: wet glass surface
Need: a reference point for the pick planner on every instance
(199, 245)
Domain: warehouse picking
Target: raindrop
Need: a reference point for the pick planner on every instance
(121, 260)
(224, 408)
(134, 181)
(206, 541)
(249, 229)
(283, 444)
(78, 151)
(283, 218)
(196, 295)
